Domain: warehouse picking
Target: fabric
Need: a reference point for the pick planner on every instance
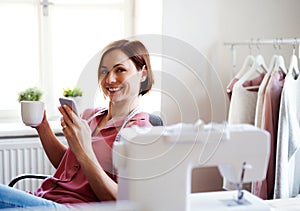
(243, 101)
(270, 112)
(288, 142)
(230, 86)
(69, 185)
(260, 99)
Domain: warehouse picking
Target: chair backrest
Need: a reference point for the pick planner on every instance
(155, 120)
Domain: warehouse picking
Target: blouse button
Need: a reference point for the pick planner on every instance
(54, 185)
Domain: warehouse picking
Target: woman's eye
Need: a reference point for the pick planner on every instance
(103, 72)
(120, 70)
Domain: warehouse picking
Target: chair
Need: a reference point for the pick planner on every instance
(154, 120)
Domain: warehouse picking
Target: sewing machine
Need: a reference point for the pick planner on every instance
(155, 164)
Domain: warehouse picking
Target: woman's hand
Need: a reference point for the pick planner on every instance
(78, 135)
(43, 122)
(76, 131)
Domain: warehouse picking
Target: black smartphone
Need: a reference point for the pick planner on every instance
(70, 102)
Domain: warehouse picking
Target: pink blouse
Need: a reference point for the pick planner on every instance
(270, 113)
(69, 184)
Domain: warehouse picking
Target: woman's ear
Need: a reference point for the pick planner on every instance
(144, 73)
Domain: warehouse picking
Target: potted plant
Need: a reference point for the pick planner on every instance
(30, 94)
(32, 108)
(76, 94)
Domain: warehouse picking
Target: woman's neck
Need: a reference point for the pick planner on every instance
(121, 109)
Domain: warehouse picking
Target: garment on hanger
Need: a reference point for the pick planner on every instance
(244, 97)
(269, 121)
(287, 172)
(277, 63)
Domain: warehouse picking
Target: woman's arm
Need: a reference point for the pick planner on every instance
(78, 135)
(103, 186)
(53, 148)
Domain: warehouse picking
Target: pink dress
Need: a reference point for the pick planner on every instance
(270, 113)
(69, 184)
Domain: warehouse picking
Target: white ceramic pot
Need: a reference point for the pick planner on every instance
(32, 112)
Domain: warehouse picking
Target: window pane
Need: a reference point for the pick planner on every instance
(78, 33)
(19, 64)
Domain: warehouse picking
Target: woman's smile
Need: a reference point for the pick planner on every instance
(114, 89)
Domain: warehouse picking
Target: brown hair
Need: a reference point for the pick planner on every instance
(138, 54)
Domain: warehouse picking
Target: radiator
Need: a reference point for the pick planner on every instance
(20, 156)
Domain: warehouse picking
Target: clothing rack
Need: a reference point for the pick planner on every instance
(279, 41)
(295, 42)
(256, 106)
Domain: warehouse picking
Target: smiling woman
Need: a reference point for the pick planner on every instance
(84, 168)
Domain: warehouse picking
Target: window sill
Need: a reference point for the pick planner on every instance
(18, 130)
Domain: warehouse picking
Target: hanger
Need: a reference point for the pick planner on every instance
(293, 68)
(256, 70)
(278, 64)
(273, 62)
(260, 64)
(259, 67)
(248, 64)
(281, 64)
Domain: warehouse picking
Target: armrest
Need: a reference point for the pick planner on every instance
(26, 176)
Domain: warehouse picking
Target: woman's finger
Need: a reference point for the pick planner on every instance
(69, 116)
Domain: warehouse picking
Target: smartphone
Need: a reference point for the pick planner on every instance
(70, 102)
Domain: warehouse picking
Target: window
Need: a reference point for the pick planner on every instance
(48, 43)
(19, 52)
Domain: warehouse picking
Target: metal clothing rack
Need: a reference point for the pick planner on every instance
(295, 42)
(277, 41)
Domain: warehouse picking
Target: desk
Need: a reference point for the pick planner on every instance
(291, 204)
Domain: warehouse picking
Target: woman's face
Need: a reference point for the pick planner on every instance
(119, 78)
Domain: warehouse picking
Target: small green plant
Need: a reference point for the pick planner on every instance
(75, 92)
(30, 94)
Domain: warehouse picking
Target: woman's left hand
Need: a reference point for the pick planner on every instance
(76, 131)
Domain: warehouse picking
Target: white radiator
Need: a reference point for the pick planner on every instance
(20, 156)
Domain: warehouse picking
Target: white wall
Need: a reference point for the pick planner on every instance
(206, 25)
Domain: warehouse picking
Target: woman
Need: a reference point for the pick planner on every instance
(85, 171)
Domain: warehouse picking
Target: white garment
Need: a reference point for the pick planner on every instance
(288, 140)
(243, 103)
